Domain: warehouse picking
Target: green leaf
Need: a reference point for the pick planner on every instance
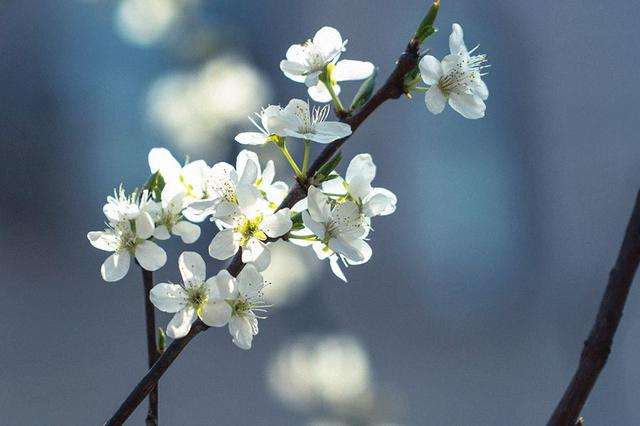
(364, 92)
(162, 340)
(326, 169)
(155, 185)
(426, 27)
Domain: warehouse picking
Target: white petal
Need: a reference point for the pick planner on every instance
(336, 269)
(345, 248)
(321, 250)
(222, 287)
(456, 41)
(480, 88)
(430, 70)
(168, 297)
(300, 110)
(216, 313)
(277, 224)
(250, 282)
(187, 231)
(452, 64)
(144, 225)
(173, 198)
(150, 256)
(251, 138)
(192, 268)
(160, 159)
(347, 220)
(268, 173)
(379, 202)
(315, 227)
(103, 240)
(294, 70)
(241, 330)
(329, 131)
(319, 92)
(347, 69)
(254, 250)
(180, 324)
(362, 167)
(318, 205)
(161, 233)
(335, 185)
(248, 196)
(224, 245)
(365, 252)
(115, 267)
(328, 41)
(469, 106)
(435, 99)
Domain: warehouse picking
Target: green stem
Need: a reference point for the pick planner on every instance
(292, 162)
(305, 158)
(303, 237)
(336, 99)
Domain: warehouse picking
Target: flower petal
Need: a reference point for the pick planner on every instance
(168, 297)
(161, 233)
(329, 131)
(115, 267)
(222, 287)
(456, 41)
(192, 268)
(329, 42)
(435, 99)
(345, 248)
(334, 262)
(277, 224)
(251, 138)
(250, 282)
(319, 92)
(187, 231)
(103, 240)
(216, 313)
(379, 202)
(160, 159)
(430, 70)
(144, 225)
(241, 330)
(224, 245)
(180, 324)
(150, 255)
(347, 70)
(469, 106)
(318, 205)
(315, 227)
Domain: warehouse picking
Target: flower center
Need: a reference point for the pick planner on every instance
(196, 296)
(250, 228)
(460, 79)
(314, 57)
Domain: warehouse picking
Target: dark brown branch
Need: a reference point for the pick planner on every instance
(393, 88)
(598, 346)
(152, 349)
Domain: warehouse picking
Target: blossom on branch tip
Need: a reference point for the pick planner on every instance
(236, 302)
(303, 124)
(307, 62)
(457, 79)
(129, 229)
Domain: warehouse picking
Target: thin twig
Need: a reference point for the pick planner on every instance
(598, 346)
(393, 88)
(152, 348)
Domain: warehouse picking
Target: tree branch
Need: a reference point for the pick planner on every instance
(598, 346)
(152, 348)
(393, 88)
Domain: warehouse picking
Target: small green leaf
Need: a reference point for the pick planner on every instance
(162, 340)
(364, 92)
(328, 167)
(426, 27)
(155, 185)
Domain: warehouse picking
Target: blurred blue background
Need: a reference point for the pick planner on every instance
(482, 286)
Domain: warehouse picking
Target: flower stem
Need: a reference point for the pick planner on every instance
(305, 158)
(303, 237)
(337, 104)
(292, 162)
(152, 349)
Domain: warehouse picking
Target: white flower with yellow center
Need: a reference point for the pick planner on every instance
(189, 300)
(270, 127)
(273, 192)
(301, 123)
(190, 177)
(246, 225)
(128, 232)
(457, 79)
(356, 186)
(237, 302)
(307, 61)
(169, 218)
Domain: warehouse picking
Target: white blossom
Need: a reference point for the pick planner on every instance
(189, 300)
(247, 223)
(128, 231)
(273, 192)
(270, 127)
(457, 79)
(169, 218)
(307, 61)
(301, 123)
(190, 177)
(356, 186)
(236, 302)
(339, 230)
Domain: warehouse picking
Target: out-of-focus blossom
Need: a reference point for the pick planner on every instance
(333, 371)
(199, 107)
(145, 22)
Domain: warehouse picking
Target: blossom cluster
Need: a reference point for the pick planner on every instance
(244, 200)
